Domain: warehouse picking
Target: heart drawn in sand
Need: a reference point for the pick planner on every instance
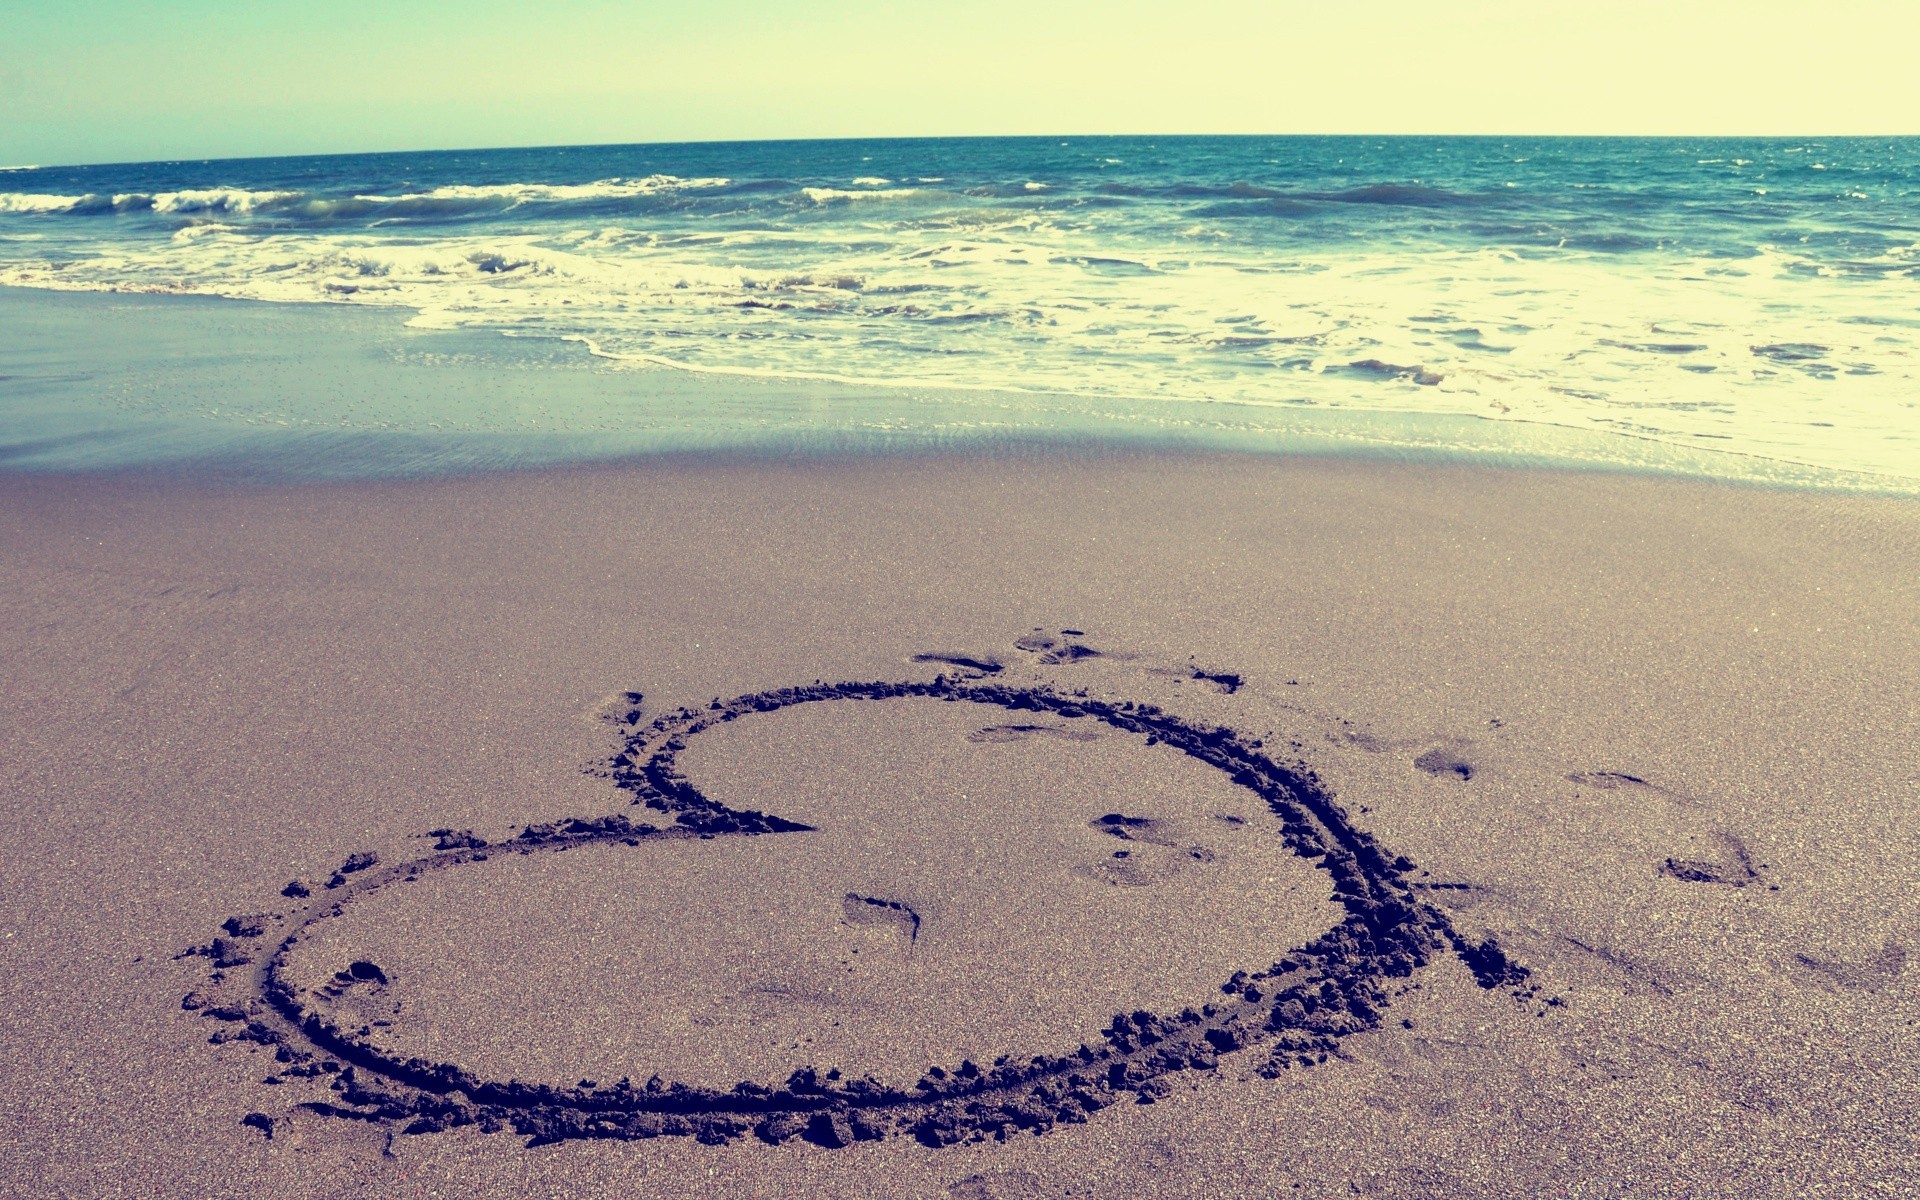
(1292, 1006)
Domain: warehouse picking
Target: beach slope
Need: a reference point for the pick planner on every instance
(1605, 782)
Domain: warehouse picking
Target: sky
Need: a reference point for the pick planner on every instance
(135, 80)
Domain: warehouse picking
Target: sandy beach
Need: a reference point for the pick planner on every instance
(841, 807)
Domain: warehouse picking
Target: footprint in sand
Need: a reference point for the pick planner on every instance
(1159, 849)
(1013, 1184)
(1445, 763)
(1732, 867)
(875, 910)
(1055, 651)
(1871, 974)
(1728, 862)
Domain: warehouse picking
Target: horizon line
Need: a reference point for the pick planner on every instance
(957, 137)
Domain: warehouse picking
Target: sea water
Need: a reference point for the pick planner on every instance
(1737, 302)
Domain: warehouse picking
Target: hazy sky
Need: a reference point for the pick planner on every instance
(114, 80)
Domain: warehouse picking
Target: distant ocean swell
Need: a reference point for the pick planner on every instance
(1746, 297)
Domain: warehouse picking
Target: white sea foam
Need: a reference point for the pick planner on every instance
(530, 193)
(219, 200)
(870, 181)
(825, 195)
(33, 202)
(205, 229)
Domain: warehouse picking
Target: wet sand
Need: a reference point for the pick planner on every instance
(1045, 825)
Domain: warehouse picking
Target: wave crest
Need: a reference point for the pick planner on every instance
(449, 199)
(554, 193)
(825, 195)
(217, 200)
(37, 202)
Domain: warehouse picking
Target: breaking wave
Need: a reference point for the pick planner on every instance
(447, 198)
(553, 193)
(29, 202)
(827, 195)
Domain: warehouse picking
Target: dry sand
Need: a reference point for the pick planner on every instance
(1655, 738)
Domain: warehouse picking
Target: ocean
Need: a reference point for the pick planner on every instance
(1748, 303)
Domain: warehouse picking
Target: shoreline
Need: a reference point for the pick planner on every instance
(306, 392)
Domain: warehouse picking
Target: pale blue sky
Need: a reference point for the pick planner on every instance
(113, 80)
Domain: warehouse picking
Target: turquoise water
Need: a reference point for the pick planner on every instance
(1748, 309)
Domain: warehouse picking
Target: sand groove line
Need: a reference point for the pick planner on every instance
(1303, 1004)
